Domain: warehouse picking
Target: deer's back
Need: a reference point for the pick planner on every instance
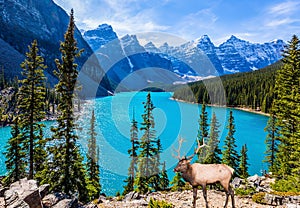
(210, 173)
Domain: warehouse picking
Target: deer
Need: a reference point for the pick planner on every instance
(197, 174)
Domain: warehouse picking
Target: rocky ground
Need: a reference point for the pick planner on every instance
(27, 194)
(216, 199)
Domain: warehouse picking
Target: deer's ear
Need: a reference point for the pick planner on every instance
(190, 160)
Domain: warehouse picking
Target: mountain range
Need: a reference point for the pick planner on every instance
(22, 21)
(187, 62)
(120, 63)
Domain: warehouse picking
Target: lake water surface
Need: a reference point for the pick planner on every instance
(172, 119)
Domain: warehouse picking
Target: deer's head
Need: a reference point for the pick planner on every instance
(182, 165)
(184, 162)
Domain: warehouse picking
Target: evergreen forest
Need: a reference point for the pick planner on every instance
(253, 90)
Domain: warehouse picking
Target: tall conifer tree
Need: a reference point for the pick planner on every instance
(65, 167)
(271, 143)
(93, 169)
(15, 155)
(164, 181)
(286, 108)
(133, 156)
(213, 151)
(202, 133)
(31, 98)
(243, 165)
(149, 150)
(230, 155)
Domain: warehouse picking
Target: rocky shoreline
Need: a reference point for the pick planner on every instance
(250, 110)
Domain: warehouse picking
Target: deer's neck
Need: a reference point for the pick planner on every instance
(188, 175)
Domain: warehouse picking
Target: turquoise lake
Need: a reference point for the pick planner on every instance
(173, 119)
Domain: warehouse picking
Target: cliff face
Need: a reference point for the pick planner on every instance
(22, 21)
(126, 62)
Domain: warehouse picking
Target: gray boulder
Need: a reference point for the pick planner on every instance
(44, 190)
(52, 199)
(66, 203)
(23, 194)
(90, 205)
(275, 200)
(132, 196)
(237, 182)
(255, 180)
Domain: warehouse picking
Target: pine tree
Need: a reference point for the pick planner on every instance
(65, 170)
(93, 169)
(286, 108)
(15, 155)
(154, 180)
(202, 133)
(213, 151)
(148, 165)
(230, 155)
(271, 143)
(164, 181)
(31, 97)
(177, 182)
(243, 165)
(133, 155)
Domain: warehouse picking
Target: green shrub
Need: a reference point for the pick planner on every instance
(285, 193)
(291, 184)
(153, 203)
(120, 198)
(244, 191)
(259, 197)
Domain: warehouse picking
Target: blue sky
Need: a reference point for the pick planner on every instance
(253, 20)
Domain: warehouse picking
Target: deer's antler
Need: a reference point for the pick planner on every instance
(180, 141)
(198, 148)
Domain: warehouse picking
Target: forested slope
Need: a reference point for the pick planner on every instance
(250, 89)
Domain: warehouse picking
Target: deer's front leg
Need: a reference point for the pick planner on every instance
(194, 196)
(205, 195)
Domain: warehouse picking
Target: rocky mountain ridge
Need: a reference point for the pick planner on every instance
(22, 21)
(197, 58)
(120, 57)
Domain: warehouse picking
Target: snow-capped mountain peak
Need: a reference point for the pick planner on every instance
(199, 57)
(150, 47)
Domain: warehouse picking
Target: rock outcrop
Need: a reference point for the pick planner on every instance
(23, 21)
(24, 193)
(27, 194)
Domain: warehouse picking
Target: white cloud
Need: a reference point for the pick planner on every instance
(275, 21)
(282, 14)
(126, 17)
(191, 24)
(280, 22)
(284, 8)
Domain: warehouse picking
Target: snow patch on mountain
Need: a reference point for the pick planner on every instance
(192, 60)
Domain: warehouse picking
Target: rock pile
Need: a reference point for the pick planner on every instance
(26, 194)
(258, 183)
(263, 184)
